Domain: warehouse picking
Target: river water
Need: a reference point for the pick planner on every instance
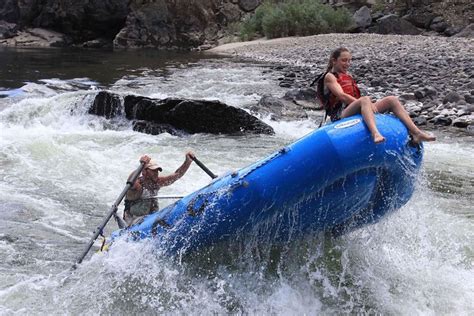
(61, 169)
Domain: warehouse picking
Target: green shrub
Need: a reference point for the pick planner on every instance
(252, 25)
(378, 6)
(338, 21)
(248, 29)
(294, 18)
(275, 23)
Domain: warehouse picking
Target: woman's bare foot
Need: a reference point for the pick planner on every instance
(423, 137)
(378, 138)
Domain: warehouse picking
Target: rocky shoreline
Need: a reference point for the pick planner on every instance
(432, 76)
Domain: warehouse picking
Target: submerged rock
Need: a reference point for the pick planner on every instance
(178, 116)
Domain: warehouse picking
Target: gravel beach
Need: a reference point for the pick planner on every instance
(433, 76)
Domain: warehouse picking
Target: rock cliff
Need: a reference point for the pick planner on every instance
(190, 24)
(126, 23)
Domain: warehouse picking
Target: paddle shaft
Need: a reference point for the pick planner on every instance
(169, 197)
(112, 211)
(164, 197)
(203, 167)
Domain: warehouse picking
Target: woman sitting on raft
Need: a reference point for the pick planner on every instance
(345, 100)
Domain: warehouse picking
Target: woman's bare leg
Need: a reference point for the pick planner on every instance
(393, 104)
(365, 107)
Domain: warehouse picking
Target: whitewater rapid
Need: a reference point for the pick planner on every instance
(62, 168)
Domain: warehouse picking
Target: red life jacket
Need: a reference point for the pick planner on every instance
(348, 85)
(335, 106)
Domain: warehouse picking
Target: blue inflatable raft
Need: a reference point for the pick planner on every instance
(333, 179)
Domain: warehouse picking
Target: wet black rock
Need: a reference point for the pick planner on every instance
(195, 116)
(107, 105)
(155, 128)
(177, 116)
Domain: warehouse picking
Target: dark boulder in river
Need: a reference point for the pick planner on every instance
(175, 116)
(108, 105)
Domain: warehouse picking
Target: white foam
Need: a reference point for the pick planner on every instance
(64, 168)
(292, 130)
(415, 259)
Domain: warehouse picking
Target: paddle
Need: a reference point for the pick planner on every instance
(111, 213)
(203, 167)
